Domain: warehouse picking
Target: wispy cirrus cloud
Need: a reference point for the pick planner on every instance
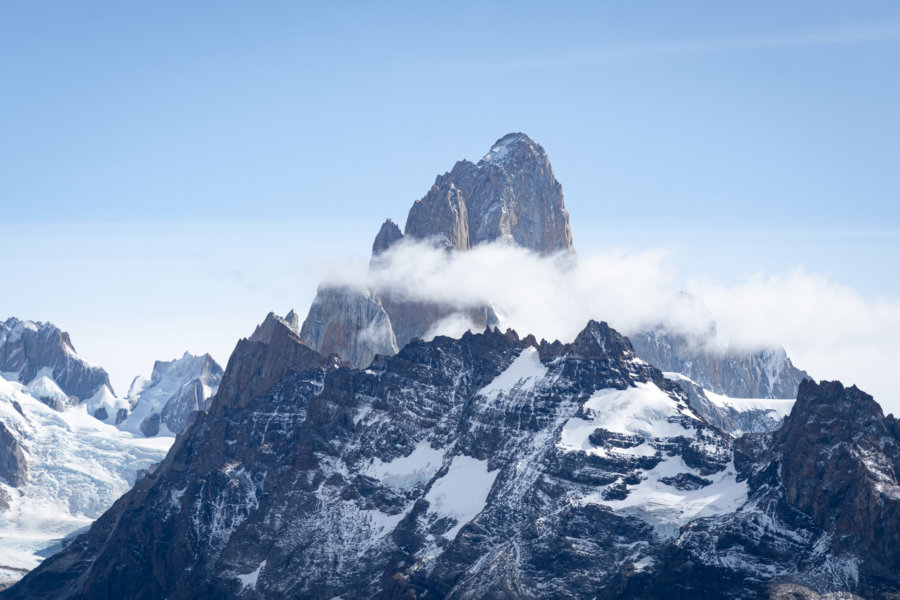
(614, 55)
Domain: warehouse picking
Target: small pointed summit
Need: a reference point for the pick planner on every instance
(263, 332)
(388, 235)
(598, 340)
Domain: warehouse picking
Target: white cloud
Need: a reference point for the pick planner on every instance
(828, 329)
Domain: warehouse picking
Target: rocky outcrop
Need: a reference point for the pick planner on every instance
(352, 324)
(840, 461)
(264, 330)
(13, 468)
(822, 513)
(493, 466)
(388, 235)
(175, 392)
(767, 373)
(441, 215)
(31, 349)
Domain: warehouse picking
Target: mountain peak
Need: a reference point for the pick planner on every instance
(513, 145)
(511, 195)
(387, 236)
(263, 332)
(600, 340)
(34, 348)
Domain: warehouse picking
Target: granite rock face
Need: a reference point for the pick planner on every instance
(487, 467)
(511, 194)
(13, 467)
(31, 349)
(388, 235)
(352, 324)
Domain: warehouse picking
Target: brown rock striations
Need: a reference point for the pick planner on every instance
(510, 194)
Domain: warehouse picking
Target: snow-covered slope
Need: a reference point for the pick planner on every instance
(75, 467)
(735, 415)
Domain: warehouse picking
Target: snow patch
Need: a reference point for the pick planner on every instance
(462, 492)
(521, 376)
(408, 471)
(667, 508)
(643, 410)
(249, 580)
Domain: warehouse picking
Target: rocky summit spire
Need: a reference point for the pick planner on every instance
(387, 236)
(511, 194)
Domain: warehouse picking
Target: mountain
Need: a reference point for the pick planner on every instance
(822, 513)
(41, 355)
(766, 373)
(493, 466)
(176, 390)
(511, 195)
(60, 468)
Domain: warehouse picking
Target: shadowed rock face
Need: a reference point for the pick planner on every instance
(387, 236)
(27, 347)
(486, 467)
(840, 465)
(13, 468)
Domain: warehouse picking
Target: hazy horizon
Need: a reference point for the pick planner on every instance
(171, 174)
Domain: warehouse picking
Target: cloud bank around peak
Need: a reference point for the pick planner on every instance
(827, 328)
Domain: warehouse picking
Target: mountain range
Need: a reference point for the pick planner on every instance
(69, 447)
(348, 457)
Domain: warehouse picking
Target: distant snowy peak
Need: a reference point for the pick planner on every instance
(32, 350)
(764, 373)
(177, 389)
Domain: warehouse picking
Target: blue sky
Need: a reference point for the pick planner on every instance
(146, 150)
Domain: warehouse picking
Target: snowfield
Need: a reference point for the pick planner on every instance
(77, 466)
